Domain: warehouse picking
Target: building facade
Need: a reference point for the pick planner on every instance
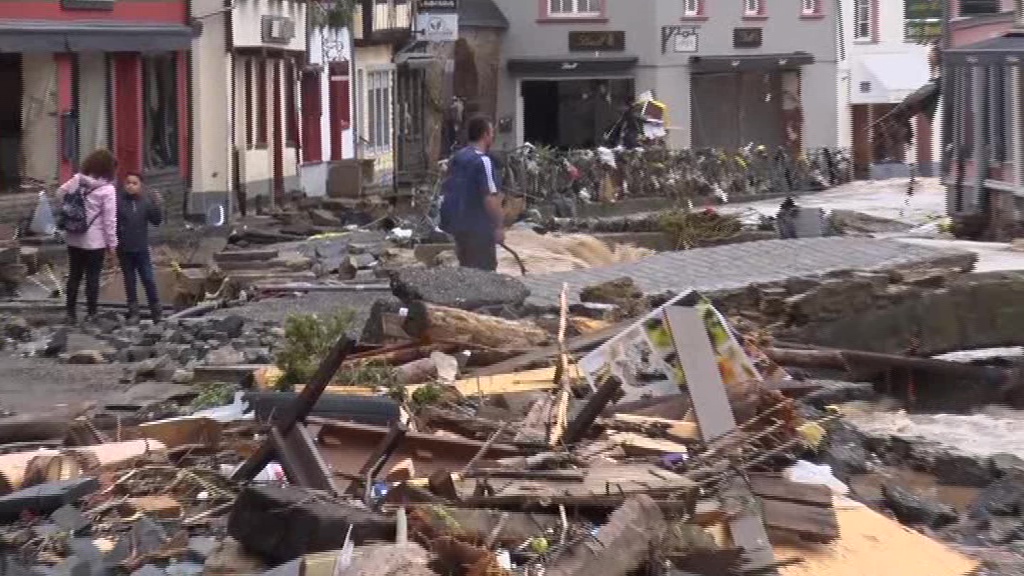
(246, 76)
(731, 72)
(85, 74)
(326, 106)
(984, 139)
(882, 62)
(381, 28)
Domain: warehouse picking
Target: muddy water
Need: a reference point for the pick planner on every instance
(989, 430)
(869, 487)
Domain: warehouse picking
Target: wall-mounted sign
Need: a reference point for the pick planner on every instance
(747, 37)
(680, 39)
(610, 41)
(437, 26)
(438, 6)
(277, 29)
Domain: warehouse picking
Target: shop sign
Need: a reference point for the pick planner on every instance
(437, 26)
(604, 41)
(438, 6)
(747, 37)
(680, 39)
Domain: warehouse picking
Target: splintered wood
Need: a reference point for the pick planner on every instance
(603, 485)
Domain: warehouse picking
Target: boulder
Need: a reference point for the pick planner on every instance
(464, 288)
(1004, 497)
(912, 508)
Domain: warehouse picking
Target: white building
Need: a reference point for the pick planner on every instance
(326, 106)
(245, 77)
(879, 66)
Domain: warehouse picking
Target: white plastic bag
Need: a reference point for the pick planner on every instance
(43, 223)
(805, 472)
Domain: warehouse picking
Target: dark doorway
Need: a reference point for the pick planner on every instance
(572, 113)
(160, 119)
(10, 121)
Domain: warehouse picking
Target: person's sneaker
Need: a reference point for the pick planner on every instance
(71, 320)
(133, 315)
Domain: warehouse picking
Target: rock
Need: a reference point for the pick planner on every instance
(149, 368)
(87, 357)
(324, 218)
(45, 498)
(202, 547)
(57, 343)
(362, 261)
(912, 508)
(281, 524)
(232, 326)
(258, 356)
(373, 330)
(1003, 529)
(150, 570)
(185, 569)
(1004, 497)
(231, 559)
(139, 353)
(463, 288)
(17, 328)
(958, 469)
(225, 356)
(182, 376)
(1003, 464)
(834, 392)
(845, 452)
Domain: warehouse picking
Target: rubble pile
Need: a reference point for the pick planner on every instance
(466, 438)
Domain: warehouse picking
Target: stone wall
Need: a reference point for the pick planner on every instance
(929, 311)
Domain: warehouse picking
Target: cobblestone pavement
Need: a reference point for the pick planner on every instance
(738, 265)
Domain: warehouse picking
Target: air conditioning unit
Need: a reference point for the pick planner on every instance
(278, 29)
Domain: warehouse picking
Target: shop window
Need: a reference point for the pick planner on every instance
(863, 20)
(378, 110)
(160, 111)
(574, 8)
(291, 124)
(976, 7)
(261, 103)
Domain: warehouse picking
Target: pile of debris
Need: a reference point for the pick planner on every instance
(459, 438)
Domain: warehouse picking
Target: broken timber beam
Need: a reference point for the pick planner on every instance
(621, 545)
(856, 361)
(433, 323)
(299, 409)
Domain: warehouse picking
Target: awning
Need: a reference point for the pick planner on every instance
(573, 66)
(44, 36)
(887, 78)
(750, 62)
(1006, 49)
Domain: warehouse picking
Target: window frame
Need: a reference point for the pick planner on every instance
(869, 12)
(758, 13)
(548, 10)
(261, 104)
(810, 8)
(693, 8)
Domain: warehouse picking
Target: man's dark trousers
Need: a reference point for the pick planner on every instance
(137, 264)
(476, 250)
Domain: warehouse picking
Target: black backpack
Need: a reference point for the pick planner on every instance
(73, 217)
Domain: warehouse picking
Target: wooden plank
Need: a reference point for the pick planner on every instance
(810, 523)
(528, 381)
(870, 543)
(639, 445)
(674, 429)
(776, 487)
(541, 354)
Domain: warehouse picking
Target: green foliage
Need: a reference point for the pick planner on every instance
(332, 13)
(427, 395)
(212, 394)
(307, 339)
(373, 374)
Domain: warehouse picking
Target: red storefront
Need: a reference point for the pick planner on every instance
(84, 74)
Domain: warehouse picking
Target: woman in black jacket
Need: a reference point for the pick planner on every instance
(137, 209)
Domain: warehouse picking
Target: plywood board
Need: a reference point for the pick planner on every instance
(870, 543)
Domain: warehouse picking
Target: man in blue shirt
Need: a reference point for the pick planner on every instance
(471, 208)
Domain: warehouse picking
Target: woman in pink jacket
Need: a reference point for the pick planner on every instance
(86, 250)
